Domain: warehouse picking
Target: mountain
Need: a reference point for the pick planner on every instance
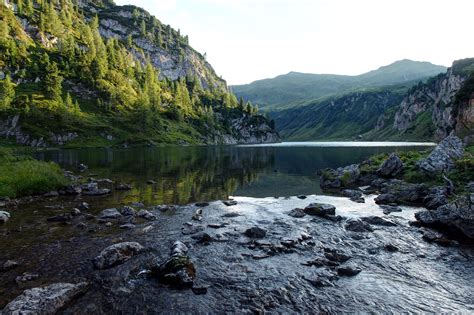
(89, 72)
(293, 89)
(430, 110)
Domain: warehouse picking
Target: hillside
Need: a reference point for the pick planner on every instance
(89, 72)
(293, 89)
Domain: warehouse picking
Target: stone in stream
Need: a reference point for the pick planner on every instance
(117, 254)
(339, 178)
(336, 255)
(230, 202)
(399, 191)
(178, 270)
(121, 186)
(202, 237)
(348, 271)
(45, 300)
(83, 206)
(357, 225)
(127, 211)
(297, 213)
(145, 214)
(9, 265)
(385, 199)
(301, 197)
(25, 277)
(436, 197)
(378, 221)
(255, 232)
(202, 204)
(75, 212)
(391, 166)
(92, 189)
(387, 209)
(197, 216)
(64, 217)
(320, 209)
(354, 195)
(4, 216)
(442, 158)
(111, 213)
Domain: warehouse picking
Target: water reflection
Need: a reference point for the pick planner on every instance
(188, 174)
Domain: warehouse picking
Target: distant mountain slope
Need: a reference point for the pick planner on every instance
(293, 88)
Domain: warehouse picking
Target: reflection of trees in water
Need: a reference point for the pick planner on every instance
(182, 174)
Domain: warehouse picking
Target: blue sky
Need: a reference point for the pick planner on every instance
(247, 40)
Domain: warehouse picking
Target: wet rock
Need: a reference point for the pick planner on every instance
(455, 216)
(83, 206)
(301, 197)
(231, 215)
(52, 193)
(89, 216)
(197, 216)
(230, 203)
(147, 215)
(127, 226)
(199, 290)
(323, 278)
(117, 254)
(354, 195)
(192, 229)
(378, 221)
(45, 300)
(470, 187)
(127, 211)
(64, 217)
(151, 182)
(336, 255)
(348, 271)
(392, 166)
(72, 190)
(75, 212)
(108, 224)
(111, 213)
(385, 199)
(438, 238)
(92, 189)
(404, 192)
(9, 265)
(378, 182)
(4, 216)
(436, 197)
(387, 209)
(297, 213)
(137, 204)
(217, 225)
(320, 209)
(202, 204)
(82, 167)
(442, 158)
(178, 270)
(202, 237)
(121, 186)
(339, 178)
(357, 225)
(255, 232)
(25, 277)
(391, 248)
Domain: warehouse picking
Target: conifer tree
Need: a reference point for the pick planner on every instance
(7, 93)
(52, 82)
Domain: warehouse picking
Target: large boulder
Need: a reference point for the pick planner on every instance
(111, 213)
(320, 209)
(457, 215)
(45, 300)
(117, 254)
(404, 192)
(442, 158)
(340, 177)
(436, 197)
(391, 166)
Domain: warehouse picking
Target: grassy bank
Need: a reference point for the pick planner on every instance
(21, 175)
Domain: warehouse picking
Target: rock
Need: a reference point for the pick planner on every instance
(442, 158)
(255, 232)
(92, 189)
(64, 217)
(385, 199)
(127, 226)
(147, 215)
(202, 204)
(45, 300)
(83, 206)
(199, 290)
(470, 187)
(197, 216)
(336, 255)
(89, 216)
(455, 216)
(297, 213)
(301, 197)
(378, 221)
(357, 225)
(320, 209)
(402, 192)
(354, 195)
(387, 209)
(108, 224)
(202, 237)
(392, 166)
(151, 182)
(52, 193)
(121, 186)
(127, 211)
(9, 265)
(230, 203)
(348, 271)
(75, 212)
(72, 190)
(117, 254)
(25, 277)
(391, 248)
(111, 213)
(82, 167)
(341, 177)
(231, 215)
(436, 197)
(178, 270)
(138, 204)
(4, 216)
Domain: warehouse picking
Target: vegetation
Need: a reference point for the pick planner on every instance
(64, 76)
(21, 175)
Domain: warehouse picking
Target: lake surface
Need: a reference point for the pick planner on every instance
(201, 173)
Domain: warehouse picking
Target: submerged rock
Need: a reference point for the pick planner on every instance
(255, 232)
(230, 203)
(387, 209)
(297, 213)
(64, 217)
(357, 225)
(111, 213)
(320, 209)
(117, 254)
(45, 300)
(442, 158)
(202, 204)
(391, 166)
(354, 195)
(147, 215)
(127, 211)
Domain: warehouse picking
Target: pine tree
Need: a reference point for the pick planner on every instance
(52, 82)
(7, 93)
(143, 28)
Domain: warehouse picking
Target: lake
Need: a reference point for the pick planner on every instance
(188, 174)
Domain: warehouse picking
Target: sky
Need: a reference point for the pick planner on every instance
(248, 40)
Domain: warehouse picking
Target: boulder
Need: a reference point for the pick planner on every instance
(400, 191)
(230, 203)
(92, 189)
(357, 225)
(202, 204)
(387, 209)
(354, 195)
(442, 158)
(297, 213)
(4, 216)
(45, 300)
(75, 212)
(255, 232)
(392, 166)
(9, 265)
(127, 211)
(348, 271)
(339, 178)
(147, 215)
(320, 209)
(378, 221)
(436, 197)
(457, 215)
(117, 254)
(111, 213)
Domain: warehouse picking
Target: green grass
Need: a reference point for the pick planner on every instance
(20, 175)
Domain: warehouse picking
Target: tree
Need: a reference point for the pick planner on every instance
(52, 82)
(7, 93)
(143, 28)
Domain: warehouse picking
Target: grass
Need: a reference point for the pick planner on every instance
(21, 175)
